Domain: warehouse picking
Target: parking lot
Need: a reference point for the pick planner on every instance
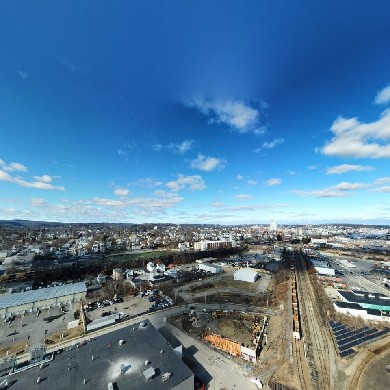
(130, 306)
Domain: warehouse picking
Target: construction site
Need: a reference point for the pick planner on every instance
(287, 334)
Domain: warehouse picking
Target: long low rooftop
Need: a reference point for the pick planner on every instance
(118, 357)
(42, 294)
(369, 300)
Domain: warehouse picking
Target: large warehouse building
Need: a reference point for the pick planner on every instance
(246, 275)
(212, 268)
(44, 298)
(370, 306)
(135, 357)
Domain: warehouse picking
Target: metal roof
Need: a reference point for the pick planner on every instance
(110, 356)
(42, 294)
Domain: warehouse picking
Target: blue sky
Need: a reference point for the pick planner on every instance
(195, 112)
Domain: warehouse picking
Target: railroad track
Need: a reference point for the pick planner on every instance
(299, 358)
(313, 329)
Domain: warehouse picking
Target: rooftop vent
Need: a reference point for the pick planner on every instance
(149, 373)
(166, 376)
(142, 324)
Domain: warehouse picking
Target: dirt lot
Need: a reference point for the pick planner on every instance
(233, 325)
(375, 376)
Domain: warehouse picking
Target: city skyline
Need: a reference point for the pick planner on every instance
(195, 113)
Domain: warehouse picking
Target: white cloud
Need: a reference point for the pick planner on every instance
(175, 147)
(14, 166)
(359, 140)
(4, 176)
(291, 173)
(38, 202)
(121, 191)
(164, 194)
(157, 147)
(217, 204)
(143, 205)
(194, 183)
(239, 177)
(148, 182)
(326, 193)
(270, 145)
(338, 191)
(382, 189)
(238, 115)
(44, 178)
(382, 180)
(383, 96)
(275, 181)
(208, 164)
(242, 196)
(255, 207)
(251, 182)
(345, 186)
(340, 169)
(181, 147)
(22, 74)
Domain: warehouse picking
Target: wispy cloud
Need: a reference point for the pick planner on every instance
(22, 74)
(344, 168)
(125, 149)
(217, 204)
(44, 178)
(356, 139)
(175, 147)
(274, 181)
(41, 182)
(254, 207)
(121, 191)
(270, 145)
(382, 189)
(251, 182)
(38, 202)
(181, 147)
(193, 183)
(208, 164)
(382, 180)
(239, 177)
(325, 193)
(148, 182)
(238, 115)
(14, 166)
(345, 186)
(383, 96)
(243, 196)
(4, 176)
(340, 190)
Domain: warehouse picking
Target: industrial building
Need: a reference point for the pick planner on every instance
(322, 268)
(212, 268)
(136, 357)
(44, 298)
(246, 275)
(371, 306)
(210, 245)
